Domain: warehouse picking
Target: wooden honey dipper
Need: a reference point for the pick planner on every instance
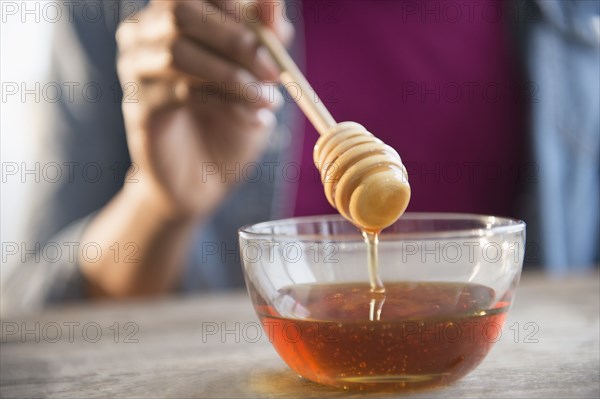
(364, 178)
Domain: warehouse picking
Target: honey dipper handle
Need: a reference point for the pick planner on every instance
(295, 82)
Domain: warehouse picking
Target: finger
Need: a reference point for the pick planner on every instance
(269, 12)
(197, 63)
(226, 116)
(222, 113)
(255, 95)
(273, 15)
(152, 25)
(226, 35)
(238, 132)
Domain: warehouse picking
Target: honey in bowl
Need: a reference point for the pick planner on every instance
(416, 334)
(433, 323)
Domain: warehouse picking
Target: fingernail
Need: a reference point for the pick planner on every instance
(265, 117)
(257, 93)
(265, 63)
(285, 30)
(270, 96)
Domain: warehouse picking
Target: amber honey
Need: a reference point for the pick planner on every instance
(415, 334)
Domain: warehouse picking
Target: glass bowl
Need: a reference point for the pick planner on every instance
(449, 278)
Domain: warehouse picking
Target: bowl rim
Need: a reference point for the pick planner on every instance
(494, 225)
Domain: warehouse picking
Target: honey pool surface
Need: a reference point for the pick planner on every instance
(416, 334)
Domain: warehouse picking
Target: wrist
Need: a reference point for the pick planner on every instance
(150, 200)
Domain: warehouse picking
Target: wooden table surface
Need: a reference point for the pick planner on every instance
(206, 346)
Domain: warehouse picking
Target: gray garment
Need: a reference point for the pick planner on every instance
(563, 59)
(90, 134)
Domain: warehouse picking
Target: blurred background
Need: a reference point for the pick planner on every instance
(530, 154)
(27, 44)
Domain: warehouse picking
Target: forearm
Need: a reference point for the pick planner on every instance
(142, 246)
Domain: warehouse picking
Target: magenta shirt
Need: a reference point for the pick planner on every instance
(445, 94)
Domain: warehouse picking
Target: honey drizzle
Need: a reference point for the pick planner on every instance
(377, 287)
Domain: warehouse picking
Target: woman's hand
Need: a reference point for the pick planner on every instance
(195, 100)
(200, 110)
